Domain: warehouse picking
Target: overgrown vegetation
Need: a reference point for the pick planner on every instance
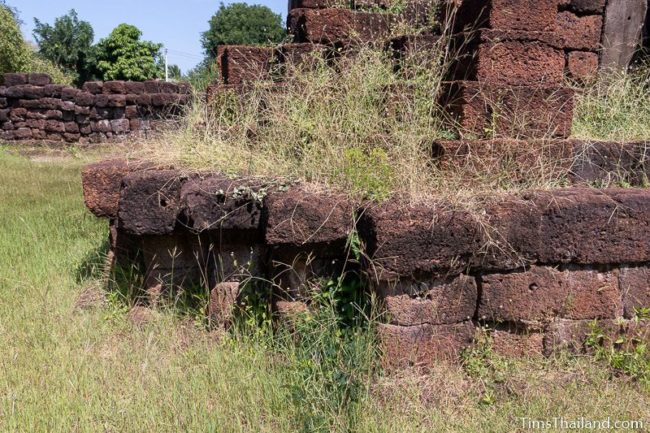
(616, 107)
(66, 369)
(16, 55)
(625, 353)
(359, 126)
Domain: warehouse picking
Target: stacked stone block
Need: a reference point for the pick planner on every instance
(512, 59)
(536, 268)
(32, 108)
(322, 28)
(530, 267)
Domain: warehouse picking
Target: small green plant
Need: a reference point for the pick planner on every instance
(642, 313)
(625, 354)
(481, 363)
(368, 172)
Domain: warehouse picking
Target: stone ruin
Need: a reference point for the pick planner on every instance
(536, 268)
(32, 108)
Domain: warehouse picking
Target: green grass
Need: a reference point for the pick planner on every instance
(616, 107)
(65, 370)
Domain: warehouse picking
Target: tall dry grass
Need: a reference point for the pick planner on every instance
(615, 107)
(363, 124)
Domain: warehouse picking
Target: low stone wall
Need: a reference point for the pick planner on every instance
(32, 108)
(535, 268)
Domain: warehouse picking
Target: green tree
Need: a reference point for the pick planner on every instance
(174, 72)
(14, 12)
(67, 43)
(239, 23)
(14, 53)
(202, 75)
(123, 56)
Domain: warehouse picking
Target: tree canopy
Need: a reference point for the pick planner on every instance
(123, 56)
(68, 43)
(14, 53)
(240, 23)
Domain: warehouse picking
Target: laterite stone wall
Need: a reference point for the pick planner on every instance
(32, 108)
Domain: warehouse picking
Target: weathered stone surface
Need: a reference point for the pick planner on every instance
(572, 335)
(582, 65)
(172, 260)
(296, 271)
(424, 345)
(581, 226)
(419, 240)
(223, 303)
(120, 126)
(508, 58)
(16, 79)
(584, 7)
(624, 20)
(242, 63)
(101, 185)
(150, 202)
(610, 161)
(93, 87)
(23, 134)
(434, 303)
(313, 4)
(635, 287)
(216, 202)
(134, 87)
(114, 87)
(328, 26)
(535, 111)
(152, 86)
(297, 53)
(526, 15)
(37, 79)
(299, 216)
(541, 293)
(579, 32)
(517, 343)
(589, 226)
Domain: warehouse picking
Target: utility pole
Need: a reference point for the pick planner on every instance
(166, 67)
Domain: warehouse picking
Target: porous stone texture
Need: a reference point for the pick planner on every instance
(635, 287)
(509, 58)
(584, 7)
(579, 32)
(298, 216)
(517, 343)
(337, 25)
(586, 162)
(541, 293)
(582, 65)
(31, 108)
(223, 303)
(580, 336)
(216, 202)
(242, 63)
(523, 15)
(434, 303)
(423, 345)
(534, 267)
(444, 238)
(312, 4)
(484, 109)
(102, 182)
(150, 202)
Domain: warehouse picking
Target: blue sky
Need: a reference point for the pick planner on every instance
(176, 24)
